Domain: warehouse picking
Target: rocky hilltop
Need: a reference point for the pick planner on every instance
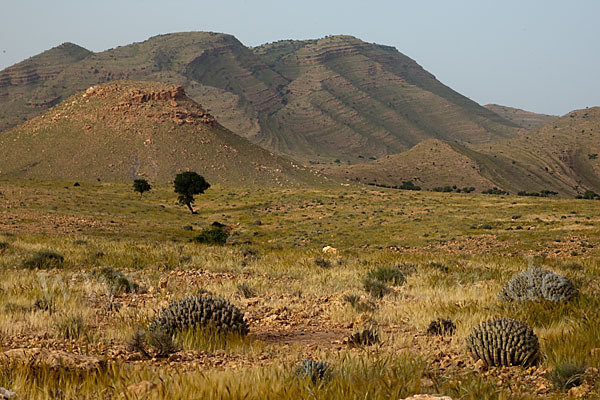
(122, 130)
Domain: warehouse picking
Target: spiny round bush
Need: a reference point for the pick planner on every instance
(503, 342)
(315, 370)
(536, 284)
(44, 259)
(441, 327)
(205, 311)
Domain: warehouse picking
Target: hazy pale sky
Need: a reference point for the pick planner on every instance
(540, 55)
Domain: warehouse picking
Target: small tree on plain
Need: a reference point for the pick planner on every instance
(141, 186)
(187, 184)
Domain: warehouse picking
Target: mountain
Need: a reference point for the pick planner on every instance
(316, 100)
(563, 156)
(22, 86)
(566, 151)
(525, 119)
(347, 98)
(124, 130)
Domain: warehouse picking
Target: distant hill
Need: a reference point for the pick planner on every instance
(524, 119)
(429, 164)
(349, 98)
(125, 130)
(563, 156)
(336, 97)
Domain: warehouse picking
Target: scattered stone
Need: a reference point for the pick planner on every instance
(330, 250)
(188, 228)
(258, 222)
(53, 359)
(6, 394)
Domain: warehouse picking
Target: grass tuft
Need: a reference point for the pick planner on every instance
(44, 259)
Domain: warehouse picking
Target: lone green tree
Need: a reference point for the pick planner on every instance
(188, 184)
(141, 186)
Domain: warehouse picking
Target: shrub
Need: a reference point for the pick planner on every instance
(213, 235)
(495, 190)
(322, 262)
(590, 195)
(44, 259)
(361, 306)
(409, 185)
(315, 370)
(245, 290)
(152, 343)
(393, 275)
(366, 337)
(441, 327)
(567, 375)
(4, 246)
(375, 288)
(116, 282)
(70, 326)
(43, 304)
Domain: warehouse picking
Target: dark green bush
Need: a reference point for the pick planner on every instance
(495, 190)
(44, 259)
(213, 235)
(409, 185)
